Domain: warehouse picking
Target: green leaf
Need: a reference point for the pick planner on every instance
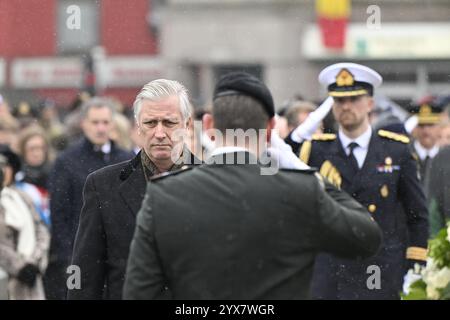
(439, 249)
(445, 293)
(417, 291)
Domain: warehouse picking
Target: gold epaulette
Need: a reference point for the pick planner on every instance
(416, 253)
(331, 173)
(324, 136)
(393, 136)
(305, 151)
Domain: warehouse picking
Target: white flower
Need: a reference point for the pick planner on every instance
(435, 279)
(432, 293)
(430, 266)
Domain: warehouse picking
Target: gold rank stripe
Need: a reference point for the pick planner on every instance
(429, 119)
(347, 93)
(324, 136)
(416, 253)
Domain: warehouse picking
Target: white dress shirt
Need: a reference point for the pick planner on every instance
(229, 149)
(363, 141)
(423, 153)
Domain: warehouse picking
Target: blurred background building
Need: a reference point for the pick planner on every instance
(123, 44)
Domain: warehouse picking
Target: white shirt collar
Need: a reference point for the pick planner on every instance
(106, 148)
(423, 153)
(362, 141)
(228, 149)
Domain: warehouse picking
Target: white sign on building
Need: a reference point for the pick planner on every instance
(128, 71)
(392, 41)
(112, 72)
(29, 73)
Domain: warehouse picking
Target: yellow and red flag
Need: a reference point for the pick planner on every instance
(332, 17)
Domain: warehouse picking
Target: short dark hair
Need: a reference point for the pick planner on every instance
(238, 112)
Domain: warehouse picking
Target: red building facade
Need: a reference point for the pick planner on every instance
(39, 56)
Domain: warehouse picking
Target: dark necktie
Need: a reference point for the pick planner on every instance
(351, 157)
(424, 168)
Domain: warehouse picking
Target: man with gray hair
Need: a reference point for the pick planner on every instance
(113, 195)
(67, 177)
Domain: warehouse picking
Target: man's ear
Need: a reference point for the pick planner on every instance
(189, 123)
(370, 104)
(208, 121)
(208, 126)
(269, 128)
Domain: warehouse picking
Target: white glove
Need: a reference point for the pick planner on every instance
(411, 123)
(282, 152)
(411, 277)
(305, 130)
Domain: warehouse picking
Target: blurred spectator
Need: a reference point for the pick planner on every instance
(281, 124)
(24, 239)
(439, 199)
(120, 132)
(426, 134)
(73, 120)
(297, 112)
(444, 134)
(9, 126)
(8, 131)
(67, 178)
(25, 114)
(49, 121)
(34, 150)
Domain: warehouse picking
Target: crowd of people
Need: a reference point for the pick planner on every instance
(146, 213)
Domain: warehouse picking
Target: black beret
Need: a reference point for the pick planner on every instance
(12, 158)
(235, 83)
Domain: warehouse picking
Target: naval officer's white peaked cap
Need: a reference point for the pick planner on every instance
(349, 79)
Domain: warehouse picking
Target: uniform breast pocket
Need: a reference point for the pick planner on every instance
(386, 184)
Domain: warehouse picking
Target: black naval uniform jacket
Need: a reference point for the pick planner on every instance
(388, 186)
(112, 197)
(222, 231)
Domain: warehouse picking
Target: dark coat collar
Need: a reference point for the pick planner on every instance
(133, 186)
(132, 189)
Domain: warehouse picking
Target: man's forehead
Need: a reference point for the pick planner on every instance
(172, 101)
(166, 107)
(97, 111)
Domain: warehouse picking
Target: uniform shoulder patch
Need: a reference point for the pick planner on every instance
(170, 173)
(324, 137)
(393, 136)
